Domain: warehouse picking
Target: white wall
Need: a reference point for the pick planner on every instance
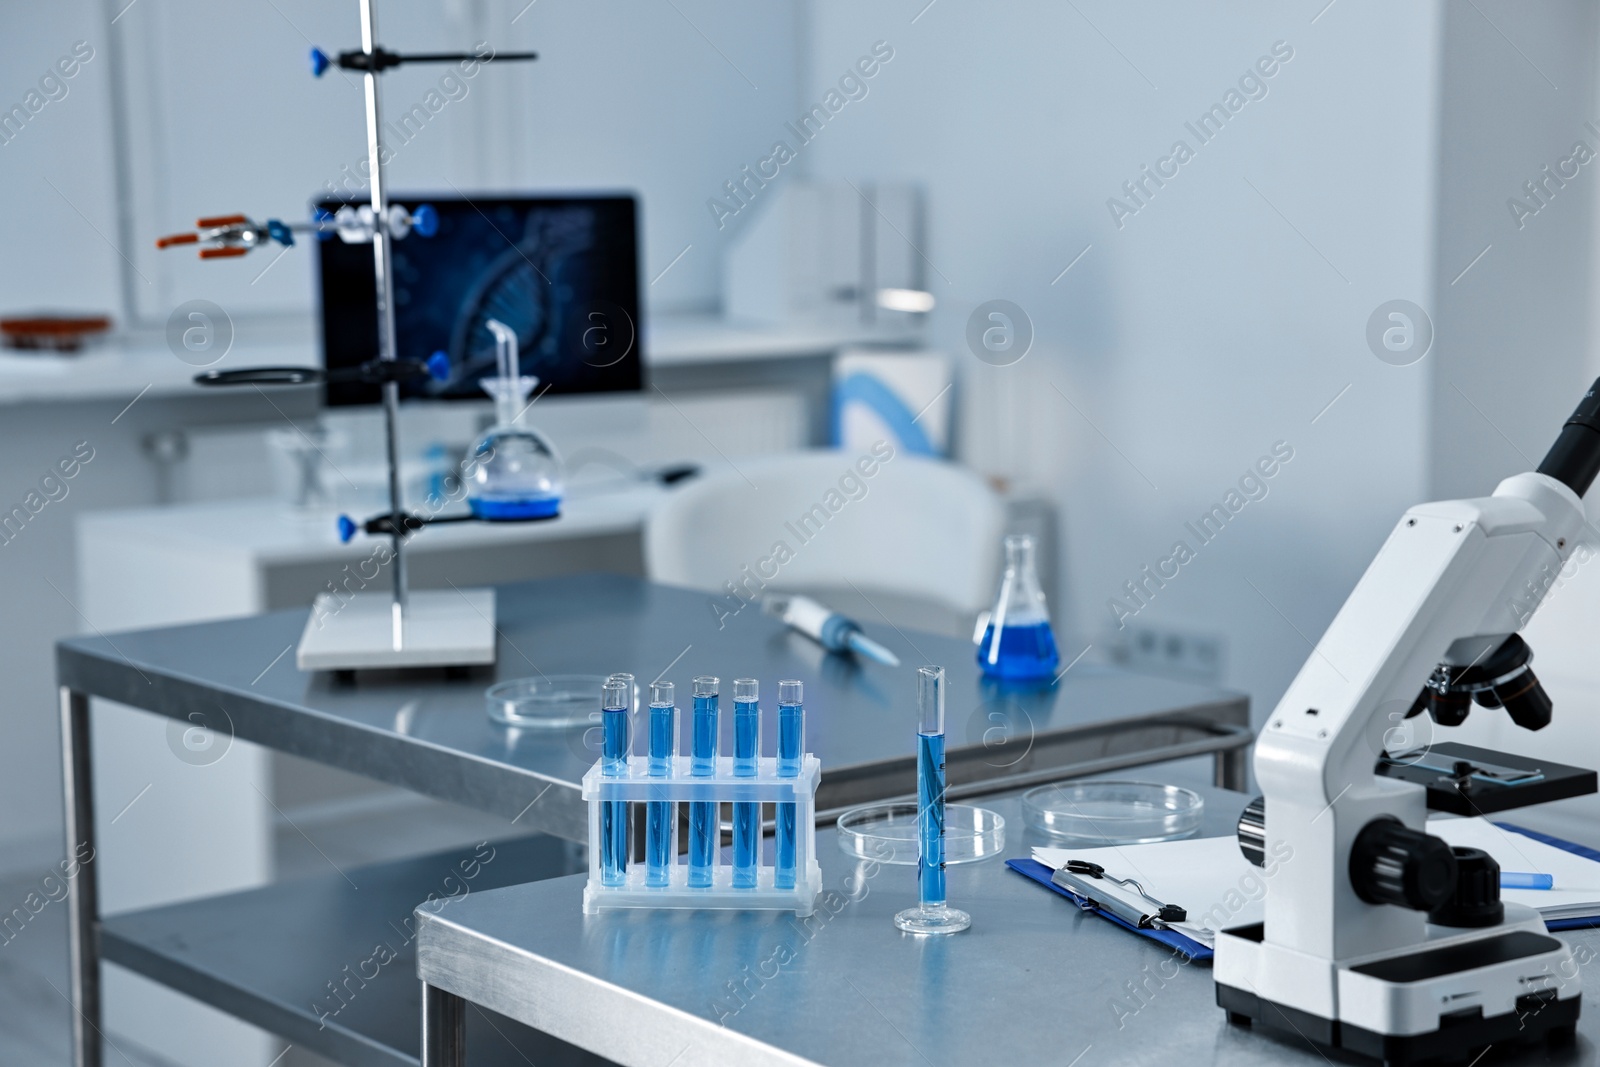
(1222, 317)
(55, 240)
(224, 116)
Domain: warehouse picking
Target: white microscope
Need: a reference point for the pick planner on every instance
(1378, 938)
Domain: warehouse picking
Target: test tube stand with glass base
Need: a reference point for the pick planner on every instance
(680, 788)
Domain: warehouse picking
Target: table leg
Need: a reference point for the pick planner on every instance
(1231, 768)
(83, 898)
(444, 1030)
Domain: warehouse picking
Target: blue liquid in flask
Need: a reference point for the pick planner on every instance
(1018, 644)
(1027, 652)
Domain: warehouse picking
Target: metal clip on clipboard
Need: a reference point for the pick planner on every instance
(1079, 876)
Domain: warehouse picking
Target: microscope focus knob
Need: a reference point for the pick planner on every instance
(1253, 831)
(1476, 900)
(1390, 863)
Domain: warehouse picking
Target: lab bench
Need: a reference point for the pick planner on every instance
(1033, 981)
(268, 954)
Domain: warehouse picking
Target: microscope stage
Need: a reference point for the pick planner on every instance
(1464, 780)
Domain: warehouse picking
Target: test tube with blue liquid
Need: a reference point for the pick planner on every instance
(660, 820)
(616, 699)
(746, 751)
(703, 830)
(791, 744)
(931, 915)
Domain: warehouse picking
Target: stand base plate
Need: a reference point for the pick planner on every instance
(441, 628)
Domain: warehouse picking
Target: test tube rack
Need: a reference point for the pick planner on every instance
(637, 787)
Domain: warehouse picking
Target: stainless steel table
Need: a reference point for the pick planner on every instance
(428, 732)
(1034, 981)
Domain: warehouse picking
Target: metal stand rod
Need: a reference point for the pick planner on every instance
(384, 276)
(444, 1030)
(83, 897)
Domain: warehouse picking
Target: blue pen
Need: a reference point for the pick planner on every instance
(1526, 880)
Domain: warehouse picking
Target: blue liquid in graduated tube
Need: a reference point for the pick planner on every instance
(703, 764)
(930, 818)
(746, 751)
(616, 698)
(791, 744)
(659, 813)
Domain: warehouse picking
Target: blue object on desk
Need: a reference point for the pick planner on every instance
(1526, 880)
(1187, 946)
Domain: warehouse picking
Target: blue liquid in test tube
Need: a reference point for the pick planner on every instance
(791, 744)
(703, 831)
(615, 702)
(930, 818)
(746, 751)
(659, 815)
(931, 915)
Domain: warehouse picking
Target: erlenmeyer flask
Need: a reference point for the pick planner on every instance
(1018, 644)
(513, 471)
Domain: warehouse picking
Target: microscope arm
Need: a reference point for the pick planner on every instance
(1445, 596)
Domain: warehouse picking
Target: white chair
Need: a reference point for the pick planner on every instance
(913, 540)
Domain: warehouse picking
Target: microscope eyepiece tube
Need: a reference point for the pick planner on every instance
(1574, 460)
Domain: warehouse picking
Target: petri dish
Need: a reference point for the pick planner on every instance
(1113, 812)
(888, 833)
(550, 702)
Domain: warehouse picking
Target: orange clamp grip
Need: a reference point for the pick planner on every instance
(177, 239)
(221, 220)
(223, 252)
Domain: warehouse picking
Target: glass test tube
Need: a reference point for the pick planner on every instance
(931, 915)
(791, 744)
(703, 830)
(746, 751)
(659, 814)
(616, 696)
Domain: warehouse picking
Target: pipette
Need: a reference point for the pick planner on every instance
(660, 820)
(791, 744)
(615, 700)
(931, 915)
(827, 627)
(746, 750)
(703, 830)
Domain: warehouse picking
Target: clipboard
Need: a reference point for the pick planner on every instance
(1180, 943)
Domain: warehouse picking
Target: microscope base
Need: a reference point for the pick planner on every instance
(1389, 1008)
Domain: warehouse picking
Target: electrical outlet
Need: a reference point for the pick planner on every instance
(1167, 651)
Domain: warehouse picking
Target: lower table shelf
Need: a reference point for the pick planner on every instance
(329, 964)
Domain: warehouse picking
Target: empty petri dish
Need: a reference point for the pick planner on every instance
(888, 833)
(551, 702)
(1113, 813)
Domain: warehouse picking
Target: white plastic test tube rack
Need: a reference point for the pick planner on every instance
(637, 787)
